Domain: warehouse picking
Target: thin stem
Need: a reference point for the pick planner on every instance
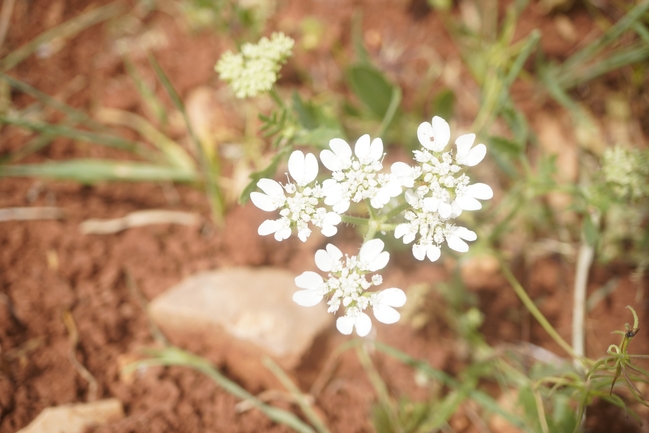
(584, 262)
(533, 309)
(357, 221)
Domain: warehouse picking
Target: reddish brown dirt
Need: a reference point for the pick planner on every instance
(48, 268)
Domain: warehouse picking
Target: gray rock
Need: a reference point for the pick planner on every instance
(240, 314)
(75, 418)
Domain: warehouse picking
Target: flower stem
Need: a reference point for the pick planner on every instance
(534, 310)
(357, 221)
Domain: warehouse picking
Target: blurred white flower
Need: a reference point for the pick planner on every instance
(298, 203)
(256, 68)
(346, 285)
(357, 176)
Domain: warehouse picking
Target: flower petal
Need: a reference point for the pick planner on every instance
(441, 134)
(263, 201)
(268, 227)
(362, 147)
(271, 187)
(372, 257)
(386, 314)
(376, 149)
(466, 202)
(476, 155)
(419, 251)
(345, 325)
(480, 191)
(307, 298)
(296, 166)
(425, 134)
(326, 260)
(363, 324)
(393, 297)
(433, 252)
(309, 280)
(455, 243)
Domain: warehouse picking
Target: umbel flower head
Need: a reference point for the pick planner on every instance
(439, 190)
(347, 285)
(357, 177)
(256, 68)
(298, 202)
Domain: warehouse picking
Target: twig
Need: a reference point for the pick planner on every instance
(138, 219)
(297, 395)
(74, 340)
(30, 213)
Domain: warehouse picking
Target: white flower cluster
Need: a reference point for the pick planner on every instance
(298, 202)
(256, 68)
(437, 191)
(347, 285)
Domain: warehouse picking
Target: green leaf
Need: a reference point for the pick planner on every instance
(444, 104)
(267, 172)
(371, 87)
(95, 170)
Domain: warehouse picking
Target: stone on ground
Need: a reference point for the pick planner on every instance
(75, 418)
(236, 316)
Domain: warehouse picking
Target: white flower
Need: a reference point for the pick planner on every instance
(467, 156)
(357, 177)
(435, 135)
(298, 203)
(383, 303)
(347, 286)
(430, 229)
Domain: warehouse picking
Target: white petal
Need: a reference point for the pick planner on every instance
(431, 204)
(409, 237)
(419, 251)
(433, 252)
(401, 230)
(362, 147)
(480, 191)
(455, 243)
(330, 160)
(463, 143)
(466, 202)
(268, 227)
(386, 314)
(263, 202)
(296, 166)
(465, 233)
(476, 155)
(363, 324)
(341, 207)
(404, 174)
(445, 210)
(282, 233)
(329, 230)
(393, 297)
(307, 298)
(310, 168)
(345, 325)
(309, 280)
(270, 187)
(376, 149)
(326, 259)
(441, 134)
(425, 134)
(372, 256)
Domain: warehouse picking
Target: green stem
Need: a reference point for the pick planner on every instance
(357, 221)
(533, 309)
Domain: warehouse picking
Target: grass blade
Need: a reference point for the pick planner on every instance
(96, 170)
(72, 113)
(176, 155)
(148, 95)
(173, 356)
(81, 135)
(66, 30)
(210, 169)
